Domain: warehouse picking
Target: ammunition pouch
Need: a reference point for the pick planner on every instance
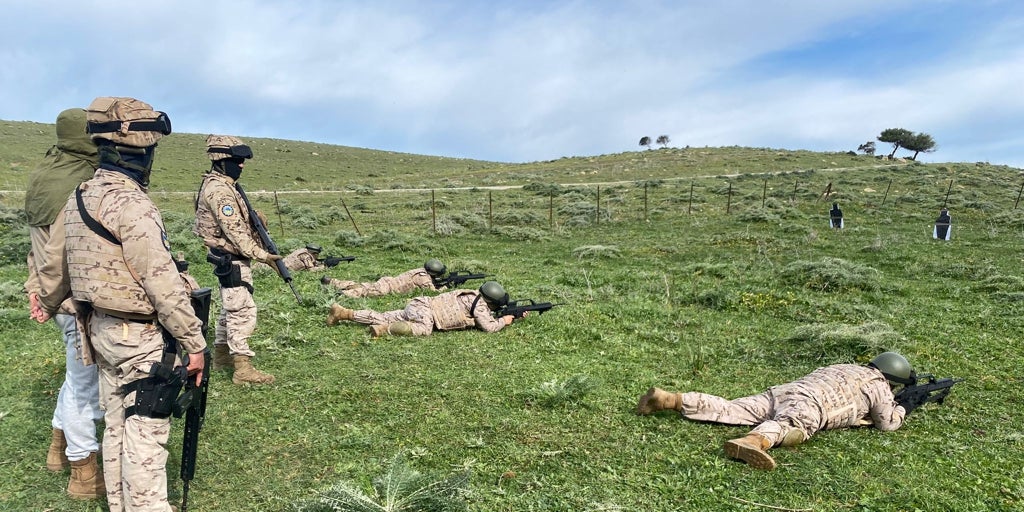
(155, 396)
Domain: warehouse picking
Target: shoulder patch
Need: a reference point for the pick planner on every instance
(227, 210)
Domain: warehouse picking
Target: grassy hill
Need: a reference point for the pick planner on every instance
(704, 269)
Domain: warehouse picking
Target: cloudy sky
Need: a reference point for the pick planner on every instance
(521, 81)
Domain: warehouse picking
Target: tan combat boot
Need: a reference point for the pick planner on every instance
(659, 400)
(338, 313)
(751, 449)
(244, 372)
(56, 459)
(86, 479)
(377, 330)
(222, 357)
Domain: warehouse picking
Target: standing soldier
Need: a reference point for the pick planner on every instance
(222, 221)
(423, 278)
(454, 310)
(112, 252)
(74, 443)
(836, 396)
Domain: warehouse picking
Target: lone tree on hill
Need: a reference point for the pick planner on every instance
(663, 140)
(645, 142)
(898, 137)
(868, 148)
(919, 143)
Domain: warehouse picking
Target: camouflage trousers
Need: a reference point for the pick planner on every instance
(381, 287)
(237, 319)
(78, 402)
(134, 448)
(777, 413)
(417, 313)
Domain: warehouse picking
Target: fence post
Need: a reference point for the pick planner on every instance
(645, 201)
(277, 207)
(350, 217)
(551, 211)
(728, 203)
(1018, 196)
(886, 193)
(597, 209)
(764, 193)
(433, 211)
(689, 204)
(795, 187)
(490, 211)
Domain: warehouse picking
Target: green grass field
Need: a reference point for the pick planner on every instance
(668, 279)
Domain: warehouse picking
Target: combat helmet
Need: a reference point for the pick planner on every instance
(126, 122)
(494, 294)
(434, 267)
(894, 367)
(221, 147)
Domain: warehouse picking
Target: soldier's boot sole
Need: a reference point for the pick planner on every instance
(749, 450)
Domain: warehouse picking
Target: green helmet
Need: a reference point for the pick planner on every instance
(314, 248)
(494, 294)
(434, 267)
(894, 367)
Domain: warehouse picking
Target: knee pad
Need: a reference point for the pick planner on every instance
(400, 329)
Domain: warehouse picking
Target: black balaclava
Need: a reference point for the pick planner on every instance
(136, 163)
(230, 167)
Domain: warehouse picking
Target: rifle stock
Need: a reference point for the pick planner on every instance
(268, 243)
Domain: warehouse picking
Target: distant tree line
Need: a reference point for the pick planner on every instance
(901, 138)
(662, 141)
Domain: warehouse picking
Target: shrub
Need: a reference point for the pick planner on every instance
(832, 274)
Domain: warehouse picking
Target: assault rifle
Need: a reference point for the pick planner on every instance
(456, 278)
(192, 402)
(923, 389)
(268, 243)
(519, 308)
(332, 261)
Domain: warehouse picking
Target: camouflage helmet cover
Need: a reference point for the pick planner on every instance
(222, 144)
(494, 294)
(894, 367)
(126, 121)
(434, 267)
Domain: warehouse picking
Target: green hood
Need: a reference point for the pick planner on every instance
(73, 160)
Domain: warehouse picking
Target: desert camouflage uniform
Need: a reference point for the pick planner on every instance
(458, 309)
(222, 221)
(131, 287)
(302, 259)
(70, 162)
(414, 279)
(837, 396)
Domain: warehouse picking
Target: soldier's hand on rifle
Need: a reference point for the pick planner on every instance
(196, 363)
(509, 318)
(271, 258)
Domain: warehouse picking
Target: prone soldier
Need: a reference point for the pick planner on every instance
(454, 310)
(836, 396)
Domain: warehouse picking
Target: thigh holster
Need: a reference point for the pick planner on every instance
(155, 394)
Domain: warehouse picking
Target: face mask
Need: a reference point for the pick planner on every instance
(230, 167)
